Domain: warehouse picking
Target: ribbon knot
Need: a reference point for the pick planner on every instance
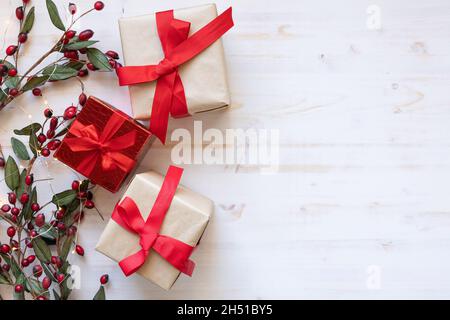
(129, 217)
(179, 48)
(102, 146)
(165, 67)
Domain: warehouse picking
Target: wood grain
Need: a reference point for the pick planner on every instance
(364, 169)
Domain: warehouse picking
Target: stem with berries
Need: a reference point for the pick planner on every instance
(77, 55)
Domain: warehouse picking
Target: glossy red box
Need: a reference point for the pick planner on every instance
(96, 115)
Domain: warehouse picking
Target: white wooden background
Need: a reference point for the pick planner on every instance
(362, 191)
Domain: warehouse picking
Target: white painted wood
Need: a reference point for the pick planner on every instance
(364, 171)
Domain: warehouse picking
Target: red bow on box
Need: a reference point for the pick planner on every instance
(178, 48)
(102, 145)
(128, 216)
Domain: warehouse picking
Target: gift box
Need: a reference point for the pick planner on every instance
(104, 144)
(155, 227)
(175, 63)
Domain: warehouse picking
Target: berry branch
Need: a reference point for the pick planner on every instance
(70, 65)
(26, 221)
(50, 230)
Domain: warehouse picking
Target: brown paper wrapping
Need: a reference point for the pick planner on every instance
(204, 77)
(185, 220)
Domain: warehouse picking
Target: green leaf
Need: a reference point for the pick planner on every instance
(56, 295)
(64, 198)
(54, 15)
(34, 286)
(12, 174)
(59, 72)
(79, 45)
(19, 296)
(17, 272)
(3, 279)
(29, 21)
(65, 290)
(48, 272)
(66, 248)
(27, 213)
(35, 82)
(42, 251)
(12, 82)
(8, 64)
(100, 295)
(62, 132)
(22, 185)
(32, 128)
(98, 59)
(3, 95)
(77, 65)
(48, 232)
(19, 149)
(34, 144)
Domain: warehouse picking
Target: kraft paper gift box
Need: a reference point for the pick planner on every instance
(186, 220)
(204, 77)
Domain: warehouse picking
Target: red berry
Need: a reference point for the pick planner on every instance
(54, 144)
(70, 113)
(53, 123)
(41, 298)
(25, 263)
(6, 267)
(12, 72)
(71, 54)
(112, 63)
(99, 5)
(61, 226)
(60, 214)
(89, 204)
(33, 234)
(35, 207)
(14, 244)
(75, 185)
(70, 34)
(6, 208)
(37, 271)
(82, 99)
(11, 50)
(37, 92)
(13, 92)
(112, 54)
(89, 195)
(50, 133)
(29, 179)
(23, 37)
(60, 277)
(12, 198)
(48, 113)
(15, 211)
(72, 8)
(25, 1)
(91, 67)
(19, 13)
(82, 50)
(39, 220)
(79, 249)
(2, 162)
(42, 138)
(31, 258)
(24, 198)
(72, 231)
(104, 279)
(11, 232)
(46, 283)
(5, 249)
(18, 288)
(45, 152)
(28, 243)
(85, 35)
(54, 259)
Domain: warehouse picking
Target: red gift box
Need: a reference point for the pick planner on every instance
(103, 144)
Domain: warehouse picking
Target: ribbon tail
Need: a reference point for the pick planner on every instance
(162, 104)
(177, 253)
(132, 263)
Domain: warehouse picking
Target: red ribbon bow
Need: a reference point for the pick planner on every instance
(128, 216)
(102, 145)
(178, 48)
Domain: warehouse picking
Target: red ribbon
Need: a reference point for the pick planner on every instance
(178, 48)
(128, 216)
(102, 146)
